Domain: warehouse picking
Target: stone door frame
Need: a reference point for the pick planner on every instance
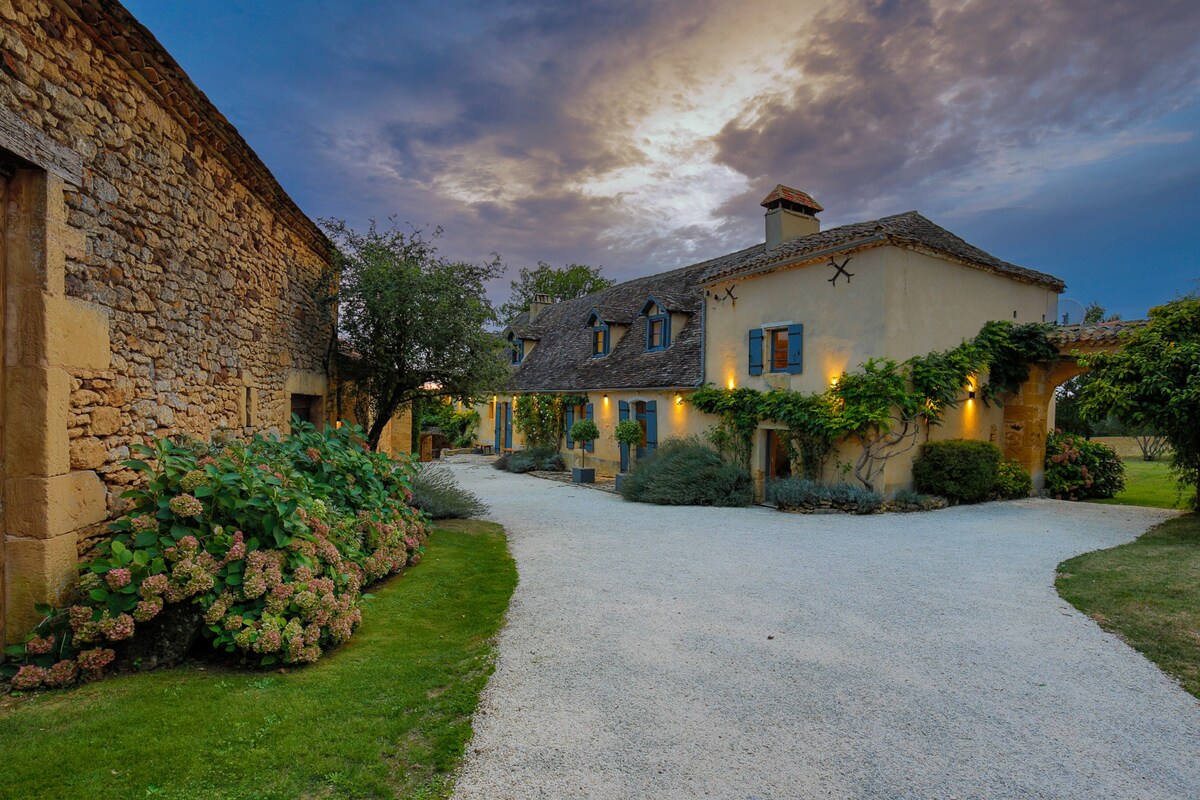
(48, 336)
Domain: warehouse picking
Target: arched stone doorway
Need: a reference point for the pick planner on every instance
(1027, 415)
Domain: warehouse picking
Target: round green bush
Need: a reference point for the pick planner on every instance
(687, 472)
(1012, 480)
(961, 470)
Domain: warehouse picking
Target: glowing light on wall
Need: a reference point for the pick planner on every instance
(731, 383)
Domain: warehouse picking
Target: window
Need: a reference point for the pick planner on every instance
(599, 340)
(779, 350)
(516, 350)
(786, 353)
(658, 332)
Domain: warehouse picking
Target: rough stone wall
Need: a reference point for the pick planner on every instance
(210, 284)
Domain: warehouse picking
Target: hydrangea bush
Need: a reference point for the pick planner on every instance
(1078, 469)
(273, 539)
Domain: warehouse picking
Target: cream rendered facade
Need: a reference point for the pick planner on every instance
(898, 304)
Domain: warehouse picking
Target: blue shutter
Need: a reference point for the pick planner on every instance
(795, 349)
(499, 422)
(622, 415)
(667, 331)
(756, 343)
(651, 425)
(607, 332)
(587, 414)
(508, 424)
(570, 422)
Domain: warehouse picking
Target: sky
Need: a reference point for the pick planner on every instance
(640, 135)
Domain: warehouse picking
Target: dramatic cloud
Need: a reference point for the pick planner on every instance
(640, 134)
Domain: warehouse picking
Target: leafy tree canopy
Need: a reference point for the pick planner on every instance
(1154, 380)
(561, 283)
(412, 323)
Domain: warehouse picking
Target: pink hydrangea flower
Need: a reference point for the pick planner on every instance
(39, 646)
(63, 673)
(143, 524)
(118, 578)
(185, 505)
(29, 677)
(96, 659)
(80, 616)
(153, 586)
(148, 609)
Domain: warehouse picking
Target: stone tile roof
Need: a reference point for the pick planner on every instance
(1093, 333)
(909, 229)
(781, 192)
(563, 361)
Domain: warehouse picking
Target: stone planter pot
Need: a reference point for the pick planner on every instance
(581, 475)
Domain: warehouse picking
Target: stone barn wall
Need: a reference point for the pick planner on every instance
(187, 280)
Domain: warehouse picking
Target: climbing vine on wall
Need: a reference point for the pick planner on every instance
(539, 418)
(882, 404)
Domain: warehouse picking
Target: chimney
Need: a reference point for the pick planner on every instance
(790, 215)
(539, 304)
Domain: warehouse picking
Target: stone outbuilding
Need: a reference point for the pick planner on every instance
(156, 280)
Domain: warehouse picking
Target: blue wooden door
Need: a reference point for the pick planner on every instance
(508, 424)
(647, 416)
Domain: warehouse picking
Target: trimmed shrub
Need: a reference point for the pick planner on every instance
(687, 472)
(1077, 469)
(1012, 480)
(437, 493)
(271, 540)
(961, 470)
(910, 500)
(543, 459)
(804, 494)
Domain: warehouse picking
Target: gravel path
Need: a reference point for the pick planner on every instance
(913, 656)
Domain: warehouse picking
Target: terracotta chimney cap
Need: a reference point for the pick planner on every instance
(782, 195)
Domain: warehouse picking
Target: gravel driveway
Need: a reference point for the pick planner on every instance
(656, 652)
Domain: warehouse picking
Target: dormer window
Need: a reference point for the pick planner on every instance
(600, 340)
(658, 325)
(516, 349)
(606, 324)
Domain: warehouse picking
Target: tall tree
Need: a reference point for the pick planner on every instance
(561, 283)
(1154, 380)
(412, 323)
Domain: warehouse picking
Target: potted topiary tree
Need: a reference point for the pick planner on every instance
(629, 433)
(583, 432)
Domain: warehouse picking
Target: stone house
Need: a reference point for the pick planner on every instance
(156, 279)
(792, 313)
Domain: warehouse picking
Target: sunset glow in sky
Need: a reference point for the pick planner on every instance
(1057, 134)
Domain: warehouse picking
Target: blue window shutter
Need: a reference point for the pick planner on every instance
(587, 414)
(570, 422)
(795, 349)
(667, 331)
(499, 422)
(756, 348)
(622, 415)
(651, 424)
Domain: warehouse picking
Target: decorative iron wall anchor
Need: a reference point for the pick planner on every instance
(841, 270)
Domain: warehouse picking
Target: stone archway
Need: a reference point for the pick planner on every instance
(1027, 415)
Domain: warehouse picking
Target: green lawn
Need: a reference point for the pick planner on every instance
(1148, 593)
(385, 715)
(1147, 483)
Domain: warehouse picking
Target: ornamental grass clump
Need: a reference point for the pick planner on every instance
(437, 493)
(687, 472)
(271, 540)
